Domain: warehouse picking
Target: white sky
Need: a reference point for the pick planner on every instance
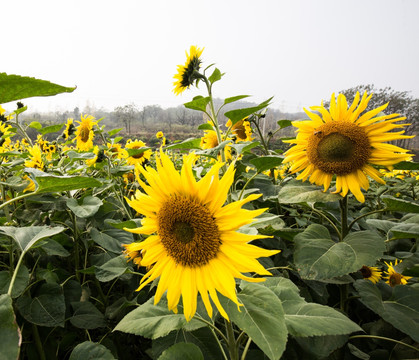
(118, 52)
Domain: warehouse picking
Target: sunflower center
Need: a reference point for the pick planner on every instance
(137, 156)
(395, 279)
(84, 134)
(366, 272)
(339, 147)
(188, 231)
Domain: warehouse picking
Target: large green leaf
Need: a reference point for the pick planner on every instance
(53, 183)
(407, 165)
(154, 321)
(91, 351)
(27, 236)
(405, 230)
(294, 193)
(401, 310)
(47, 308)
(86, 316)
(318, 257)
(184, 351)
(308, 319)
(9, 331)
(234, 99)
(89, 206)
(395, 204)
(21, 281)
(111, 239)
(112, 269)
(198, 103)
(16, 87)
(51, 129)
(264, 163)
(261, 317)
(240, 114)
(191, 143)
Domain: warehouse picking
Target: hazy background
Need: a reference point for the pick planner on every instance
(118, 52)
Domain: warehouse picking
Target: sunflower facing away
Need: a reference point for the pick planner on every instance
(84, 133)
(371, 273)
(345, 142)
(241, 129)
(186, 74)
(393, 277)
(193, 245)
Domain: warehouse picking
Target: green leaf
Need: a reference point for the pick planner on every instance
(401, 310)
(35, 125)
(234, 99)
(53, 183)
(45, 309)
(27, 236)
(308, 319)
(74, 155)
(112, 269)
(139, 151)
(264, 163)
(294, 193)
(284, 123)
(245, 146)
(318, 257)
(240, 114)
(154, 321)
(21, 281)
(114, 131)
(405, 230)
(111, 239)
(89, 206)
(406, 165)
(320, 347)
(261, 317)
(9, 331)
(184, 351)
(198, 103)
(86, 316)
(190, 143)
(15, 87)
(205, 126)
(215, 76)
(394, 204)
(51, 129)
(91, 351)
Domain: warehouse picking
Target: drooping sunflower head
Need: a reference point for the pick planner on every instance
(69, 128)
(241, 129)
(188, 73)
(84, 133)
(5, 135)
(394, 278)
(371, 273)
(345, 141)
(193, 245)
(142, 156)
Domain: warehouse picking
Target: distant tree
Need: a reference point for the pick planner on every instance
(76, 113)
(127, 114)
(399, 102)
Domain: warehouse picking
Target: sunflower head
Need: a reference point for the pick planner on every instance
(84, 133)
(69, 128)
(193, 245)
(140, 158)
(394, 278)
(35, 159)
(241, 129)
(187, 74)
(344, 142)
(371, 273)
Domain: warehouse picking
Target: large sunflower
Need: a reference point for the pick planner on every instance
(84, 133)
(193, 244)
(187, 74)
(344, 142)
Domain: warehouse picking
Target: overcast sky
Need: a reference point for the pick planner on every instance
(118, 52)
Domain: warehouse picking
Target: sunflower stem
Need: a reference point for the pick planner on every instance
(353, 222)
(344, 289)
(382, 338)
(246, 348)
(232, 348)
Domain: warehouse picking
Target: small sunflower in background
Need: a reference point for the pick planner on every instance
(188, 73)
(241, 129)
(371, 273)
(193, 243)
(35, 159)
(394, 278)
(141, 158)
(116, 151)
(345, 142)
(5, 134)
(84, 133)
(69, 129)
(4, 118)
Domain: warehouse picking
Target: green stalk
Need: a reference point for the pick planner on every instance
(344, 288)
(246, 348)
(383, 338)
(232, 348)
(6, 208)
(12, 281)
(38, 343)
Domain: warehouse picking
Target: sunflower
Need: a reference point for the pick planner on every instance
(241, 129)
(188, 73)
(69, 128)
(84, 133)
(193, 244)
(371, 273)
(141, 158)
(393, 277)
(4, 118)
(35, 161)
(345, 142)
(5, 134)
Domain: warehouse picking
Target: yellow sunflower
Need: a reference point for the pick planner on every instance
(159, 134)
(141, 158)
(5, 135)
(84, 133)
(3, 117)
(35, 161)
(371, 273)
(344, 142)
(393, 277)
(116, 151)
(193, 245)
(241, 129)
(187, 74)
(69, 128)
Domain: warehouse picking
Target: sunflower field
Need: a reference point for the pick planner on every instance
(218, 247)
